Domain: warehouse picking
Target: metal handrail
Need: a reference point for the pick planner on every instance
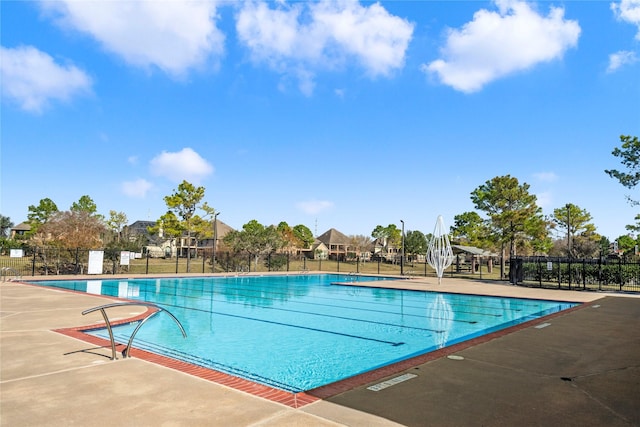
(127, 351)
(5, 273)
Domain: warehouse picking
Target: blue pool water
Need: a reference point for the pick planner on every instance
(299, 332)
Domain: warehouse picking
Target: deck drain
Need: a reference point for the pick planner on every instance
(455, 357)
(566, 378)
(542, 325)
(392, 381)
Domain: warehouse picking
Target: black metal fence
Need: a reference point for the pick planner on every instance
(598, 274)
(43, 261)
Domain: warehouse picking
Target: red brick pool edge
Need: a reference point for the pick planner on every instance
(294, 400)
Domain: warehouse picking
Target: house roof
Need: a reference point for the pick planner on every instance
(470, 250)
(142, 224)
(317, 244)
(222, 229)
(23, 226)
(334, 237)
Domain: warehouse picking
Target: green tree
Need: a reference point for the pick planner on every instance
(168, 226)
(391, 233)
(304, 235)
(576, 223)
(513, 214)
(40, 214)
(470, 229)
(289, 239)
(626, 245)
(415, 243)
(84, 204)
(184, 202)
(389, 237)
(5, 226)
(202, 228)
(116, 222)
(298, 236)
(254, 239)
(629, 153)
(539, 232)
(635, 228)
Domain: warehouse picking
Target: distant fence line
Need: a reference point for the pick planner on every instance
(43, 261)
(594, 274)
(600, 274)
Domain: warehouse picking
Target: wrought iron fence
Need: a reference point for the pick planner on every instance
(597, 274)
(41, 261)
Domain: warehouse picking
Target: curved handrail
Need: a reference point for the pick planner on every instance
(126, 351)
(6, 270)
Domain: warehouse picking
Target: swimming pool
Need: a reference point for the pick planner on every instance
(299, 332)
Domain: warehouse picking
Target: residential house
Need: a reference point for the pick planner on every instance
(383, 250)
(338, 244)
(20, 230)
(317, 251)
(222, 230)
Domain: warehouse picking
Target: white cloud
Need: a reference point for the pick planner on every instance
(618, 59)
(496, 44)
(138, 188)
(377, 39)
(313, 207)
(297, 40)
(171, 35)
(629, 11)
(182, 165)
(32, 78)
(545, 176)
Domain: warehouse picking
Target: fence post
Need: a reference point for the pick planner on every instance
(539, 272)
(177, 262)
(33, 262)
(77, 259)
(620, 272)
(600, 272)
(147, 267)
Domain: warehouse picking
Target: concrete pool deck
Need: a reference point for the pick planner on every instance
(581, 368)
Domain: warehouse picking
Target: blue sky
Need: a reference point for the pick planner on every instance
(340, 114)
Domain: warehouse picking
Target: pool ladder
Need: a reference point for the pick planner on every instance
(5, 272)
(127, 350)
